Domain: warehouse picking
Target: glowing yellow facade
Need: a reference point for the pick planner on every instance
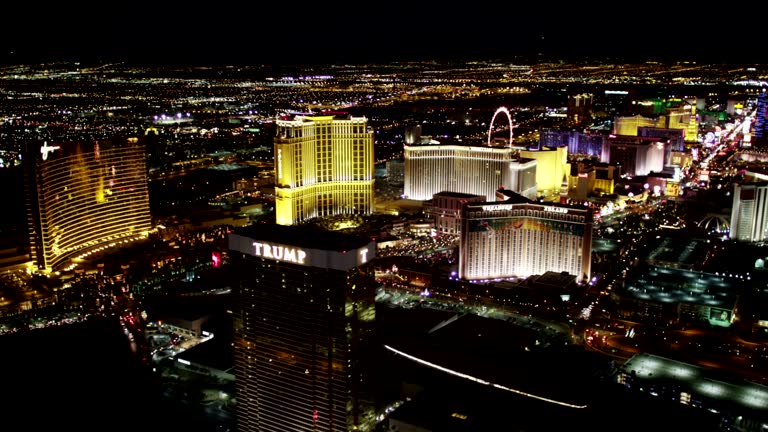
(604, 185)
(628, 125)
(552, 165)
(324, 166)
(85, 195)
(685, 118)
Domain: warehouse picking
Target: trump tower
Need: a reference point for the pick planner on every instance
(304, 315)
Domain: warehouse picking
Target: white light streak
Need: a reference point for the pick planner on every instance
(480, 381)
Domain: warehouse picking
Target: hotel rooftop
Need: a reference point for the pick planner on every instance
(739, 395)
(304, 236)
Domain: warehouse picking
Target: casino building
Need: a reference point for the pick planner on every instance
(637, 155)
(304, 313)
(551, 166)
(475, 170)
(749, 212)
(518, 237)
(84, 195)
(323, 166)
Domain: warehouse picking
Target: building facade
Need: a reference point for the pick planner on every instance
(589, 178)
(395, 172)
(304, 313)
(578, 142)
(676, 138)
(476, 170)
(580, 109)
(749, 212)
(446, 210)
(551, 166)
(324, 166)
(85, 195)
(636, 155)
(520, 238)
(628, 125)
(761, 118)
(611, 103)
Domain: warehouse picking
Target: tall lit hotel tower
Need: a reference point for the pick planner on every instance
(84, 195)
(304, 314)
(638, 156)
(323, 166)
(761, 118)
(474, 170)
(551, 165)
(519, 238)
(579, 109)
(749, 213)
(413, 134)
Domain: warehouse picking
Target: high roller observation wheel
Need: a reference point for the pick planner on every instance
(509, 118)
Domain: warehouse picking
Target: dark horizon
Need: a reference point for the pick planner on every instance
(376, 53)
(272, 34)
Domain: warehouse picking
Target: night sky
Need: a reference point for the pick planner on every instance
(363, 32)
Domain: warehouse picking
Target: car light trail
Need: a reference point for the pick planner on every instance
(480, 381)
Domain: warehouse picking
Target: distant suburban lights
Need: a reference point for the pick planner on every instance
(45, 149)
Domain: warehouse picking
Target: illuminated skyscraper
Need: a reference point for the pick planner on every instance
(674, 139)
(475, 170)
(413, 134)
(551, 165)
(627, 125)
(323, 166)
(761, 118)
(580, 109)
(578, 142)
(519, 238)
(749, 212)
(446, 210)
(84, 195)
(304, 315)
(638, 156)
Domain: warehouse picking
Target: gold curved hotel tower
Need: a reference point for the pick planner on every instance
(324, 166)
(85, 195)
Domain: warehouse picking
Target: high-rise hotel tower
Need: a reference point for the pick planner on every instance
(323, 166)
(84, 195)
(519, 238)
(475, 170)
(749, 212)
(304, 315)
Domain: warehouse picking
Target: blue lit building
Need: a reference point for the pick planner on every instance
(761, 117)
(578, 143)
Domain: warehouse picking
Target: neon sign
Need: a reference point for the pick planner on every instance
(498, 207)
(279, 252)
(45, 149)
(555, 209)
